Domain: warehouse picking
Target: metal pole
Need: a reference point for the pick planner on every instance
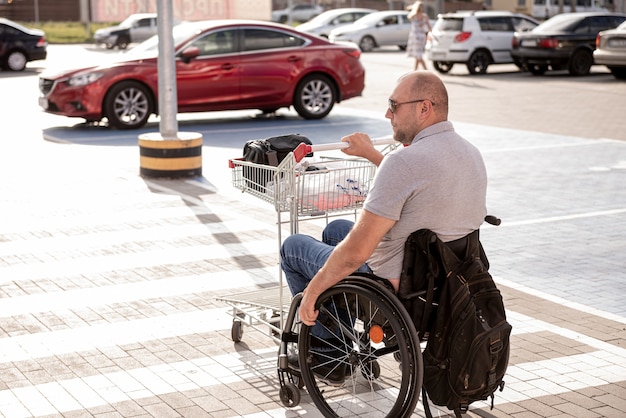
(168, 100)
(37, 12)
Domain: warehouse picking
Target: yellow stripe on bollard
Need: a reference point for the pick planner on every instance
(181, 157)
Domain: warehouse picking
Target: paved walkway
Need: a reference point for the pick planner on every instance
(109, 283)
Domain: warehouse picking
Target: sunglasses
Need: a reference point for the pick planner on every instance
(393, 105)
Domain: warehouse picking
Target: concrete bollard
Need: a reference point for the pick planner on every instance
(181, 157)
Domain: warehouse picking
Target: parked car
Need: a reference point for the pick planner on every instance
(220, 65)
(135, 28)
(20, 45)
(322, 24)
(565, 41)
(476, 39)
(611, 50)
(298, 13)
(385, 28)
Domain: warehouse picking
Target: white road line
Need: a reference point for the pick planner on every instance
(54, 343)
(51, 269)
(561, 218)
(162, 288)
(560, 301)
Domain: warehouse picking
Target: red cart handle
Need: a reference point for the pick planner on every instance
(303, 149)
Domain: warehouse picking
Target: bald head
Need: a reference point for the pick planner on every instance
(427, 85)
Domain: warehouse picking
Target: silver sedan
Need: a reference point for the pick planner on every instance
(611, 50)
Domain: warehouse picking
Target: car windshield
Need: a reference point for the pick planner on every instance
(558, 23)
(128, 22)
(368, 20)
(180, 33)
(15, 25)
(447, 24)
(323, 18)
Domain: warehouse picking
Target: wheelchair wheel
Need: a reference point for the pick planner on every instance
(368, 362)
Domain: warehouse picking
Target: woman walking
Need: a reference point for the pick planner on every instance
(420, 26)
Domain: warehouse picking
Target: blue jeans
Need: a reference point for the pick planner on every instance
(301, 256)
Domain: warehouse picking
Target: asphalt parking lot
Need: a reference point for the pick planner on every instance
(110, 283)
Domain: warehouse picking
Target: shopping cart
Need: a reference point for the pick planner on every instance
(300, 188)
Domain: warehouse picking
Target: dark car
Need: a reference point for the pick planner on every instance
(565, 41)
(220, 65)
(20, 45)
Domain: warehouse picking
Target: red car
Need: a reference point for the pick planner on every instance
(220, 65)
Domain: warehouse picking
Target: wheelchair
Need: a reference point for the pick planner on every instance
(369, 362)
(372, 364)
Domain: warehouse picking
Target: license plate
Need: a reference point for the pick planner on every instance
(437, 55)
(617, 43)
(43, 102)
(529, 42)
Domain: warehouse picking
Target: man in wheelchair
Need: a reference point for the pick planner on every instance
(437, 181)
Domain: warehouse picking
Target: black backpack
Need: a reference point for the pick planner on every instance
(269, 151)
(459, 311)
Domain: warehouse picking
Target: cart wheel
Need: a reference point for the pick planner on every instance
(290, 395)
(275, 322)
(371, 371)
(236, 331)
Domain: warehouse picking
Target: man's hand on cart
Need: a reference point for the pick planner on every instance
(361, 145)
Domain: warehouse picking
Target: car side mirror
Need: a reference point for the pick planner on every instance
(190, 53)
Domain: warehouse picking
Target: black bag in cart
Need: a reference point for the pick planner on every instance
(269, 151)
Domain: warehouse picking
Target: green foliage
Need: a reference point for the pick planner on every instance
(67, 32)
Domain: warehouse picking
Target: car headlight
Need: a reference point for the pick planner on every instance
(84, 79)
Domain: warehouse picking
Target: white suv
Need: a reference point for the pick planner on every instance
(476, 39)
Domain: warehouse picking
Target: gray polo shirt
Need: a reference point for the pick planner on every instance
(439, 182)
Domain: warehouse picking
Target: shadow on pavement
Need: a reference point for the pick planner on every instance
(232, 129)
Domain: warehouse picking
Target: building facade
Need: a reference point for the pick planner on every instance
(118, 10)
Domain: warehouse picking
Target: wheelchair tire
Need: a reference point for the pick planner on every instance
(290, 395)
(355, 371)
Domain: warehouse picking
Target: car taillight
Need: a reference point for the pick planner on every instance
(549, 43)
(515, 43)
(462, 37)
(41, 42)
(354, 53)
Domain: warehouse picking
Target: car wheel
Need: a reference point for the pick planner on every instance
(122, 43)
(315, 97)
(110, 45)
(478, 62)
(16, 61)
(443, 66)
(128, 105)
(580, 63)
(402, 47)
(538, 69)
(367, 44)
(618, 72)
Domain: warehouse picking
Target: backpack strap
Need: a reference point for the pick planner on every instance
(427, 411)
